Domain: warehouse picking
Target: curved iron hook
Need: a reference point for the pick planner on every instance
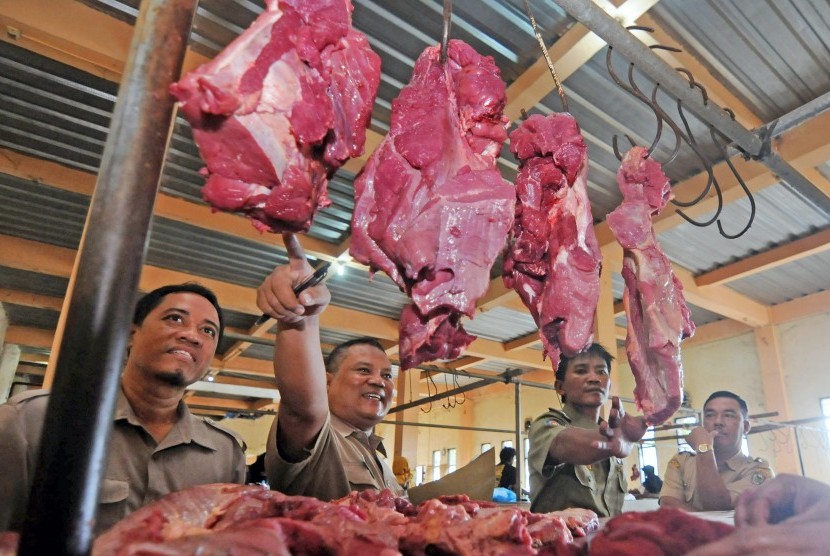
(672, 125)
(639, 96)
(635, 90)
(752, 207)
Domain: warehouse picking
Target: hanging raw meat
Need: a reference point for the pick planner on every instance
(280, 109)
(431, 209)
(658, 318)
(553, 259)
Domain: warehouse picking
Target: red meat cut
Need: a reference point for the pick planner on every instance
(657, 314)
(665, 532)
(234, 519)
(279, 110)
(553, 259)
(431, 209)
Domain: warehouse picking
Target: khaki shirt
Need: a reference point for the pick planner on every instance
(600, 487)
(195, 451)
(739, 473)
(341, 460)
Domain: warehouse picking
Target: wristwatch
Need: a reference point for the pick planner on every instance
(702, 448)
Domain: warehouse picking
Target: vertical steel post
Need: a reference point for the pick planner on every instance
(519, 447)
(67, 478)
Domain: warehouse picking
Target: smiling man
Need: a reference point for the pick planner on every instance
(322, 442)
(576, 457)
(157, 446)
(714, 475)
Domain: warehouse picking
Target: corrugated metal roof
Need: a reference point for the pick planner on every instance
(780, 218)
(500, 324)
(789, 281)
(38, 212)
(33, 282)
(774, 55)
(20, 315)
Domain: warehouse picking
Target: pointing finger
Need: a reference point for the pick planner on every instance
(296, 254)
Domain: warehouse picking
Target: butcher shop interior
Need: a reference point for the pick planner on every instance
(110, 189)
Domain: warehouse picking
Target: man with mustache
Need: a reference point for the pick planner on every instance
(157, 446)
(576, 458)
(714, 475)
(322, 442)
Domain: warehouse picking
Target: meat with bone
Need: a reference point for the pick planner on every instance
(553, 260)
(221, 519)
(657, 314)
(280, 109)
(431, 209)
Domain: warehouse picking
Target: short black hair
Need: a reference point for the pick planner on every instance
(728, 394)
(151, 300)
(336, 356)
(507, 453)
(593, 349)
(648, 469)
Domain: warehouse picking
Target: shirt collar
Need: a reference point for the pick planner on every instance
(345, 429)
(736, 461)
(183, 432)
(576, 418)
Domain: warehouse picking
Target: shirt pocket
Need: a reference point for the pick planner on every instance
(585, 476)
(623, 482)
(359, 475)
(113, 499)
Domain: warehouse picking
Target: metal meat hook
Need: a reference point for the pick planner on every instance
(544, 48)
(445, 29)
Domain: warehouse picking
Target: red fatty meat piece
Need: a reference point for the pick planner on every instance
(553, 258)
(280, 109)
(657, 314)
(665, 532)
(431, 209)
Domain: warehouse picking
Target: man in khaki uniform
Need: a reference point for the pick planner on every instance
(322, 442)
(576, 457)
(714, 476)
(157, 446)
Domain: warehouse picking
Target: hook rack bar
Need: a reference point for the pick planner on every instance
(609, 29)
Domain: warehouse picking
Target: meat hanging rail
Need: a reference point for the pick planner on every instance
(64, 496)
(756, 145)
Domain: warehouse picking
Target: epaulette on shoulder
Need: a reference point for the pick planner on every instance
(28, 395)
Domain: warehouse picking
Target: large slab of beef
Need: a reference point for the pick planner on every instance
(280, 109)
(234, 519)
(665, 532)
(431, 209)
(553, 259)
(657, 314)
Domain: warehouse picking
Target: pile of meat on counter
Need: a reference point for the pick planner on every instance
(233, 519)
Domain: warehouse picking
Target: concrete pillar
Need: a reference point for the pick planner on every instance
(768, 346)
(606, 328)
(406, 437)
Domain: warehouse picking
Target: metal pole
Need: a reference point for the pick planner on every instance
(609, 29)
(519, 452)
(798, 447)
(436, 426)
(64, 495)
(441, 396)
